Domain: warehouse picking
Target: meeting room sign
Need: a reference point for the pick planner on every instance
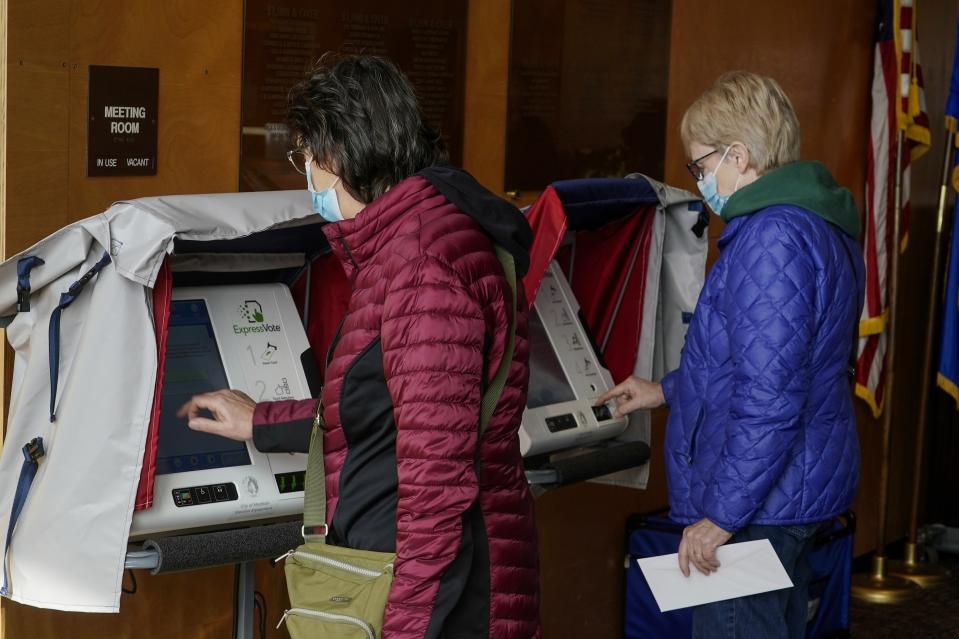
(122, 121)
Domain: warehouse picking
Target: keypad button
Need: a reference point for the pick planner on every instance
(183, 497)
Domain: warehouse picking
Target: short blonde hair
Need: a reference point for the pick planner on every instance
(748, 108)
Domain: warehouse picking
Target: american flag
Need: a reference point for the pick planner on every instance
(898, 103)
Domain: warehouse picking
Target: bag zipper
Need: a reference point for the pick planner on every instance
(335, 563)
(329, 616)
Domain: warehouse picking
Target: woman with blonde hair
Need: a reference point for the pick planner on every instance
(761, 440)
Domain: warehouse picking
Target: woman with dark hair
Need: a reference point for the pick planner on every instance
(425, 331)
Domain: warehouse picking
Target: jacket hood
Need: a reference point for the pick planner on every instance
(502, 221)
(809, 185)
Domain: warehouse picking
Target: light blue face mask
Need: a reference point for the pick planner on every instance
(707, 186)
(325, 202)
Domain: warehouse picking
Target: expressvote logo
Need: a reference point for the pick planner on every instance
(252, 312)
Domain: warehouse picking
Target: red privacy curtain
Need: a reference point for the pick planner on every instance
(609, 273)
(162, 295)
(329, 298)
(609, 281)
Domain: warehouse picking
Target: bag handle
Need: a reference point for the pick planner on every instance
(495, 390)
(315, 526)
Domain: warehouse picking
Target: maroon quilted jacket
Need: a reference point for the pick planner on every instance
(424, 334)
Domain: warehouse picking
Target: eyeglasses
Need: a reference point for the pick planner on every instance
(697, 171)
(299, 158)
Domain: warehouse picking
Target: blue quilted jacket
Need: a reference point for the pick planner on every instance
(761, 426)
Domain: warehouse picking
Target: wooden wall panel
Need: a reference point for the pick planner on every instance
(198, 48)
(823, 61)
(194, 605)
(581, 532)
(487, 79)
(37, 159)
(6, 354)
(165, 607)
(37, 169)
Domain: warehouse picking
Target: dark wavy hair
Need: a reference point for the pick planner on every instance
(359, 117)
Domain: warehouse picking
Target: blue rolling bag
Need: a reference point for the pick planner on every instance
(655, 534)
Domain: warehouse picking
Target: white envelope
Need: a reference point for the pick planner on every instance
(747, 568)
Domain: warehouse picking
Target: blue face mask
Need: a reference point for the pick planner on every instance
(325, 202)
(707, 186)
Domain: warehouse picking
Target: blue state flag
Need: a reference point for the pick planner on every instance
(948, 377)
(952, 102)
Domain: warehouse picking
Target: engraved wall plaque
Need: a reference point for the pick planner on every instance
(425, 38)
(587, 90)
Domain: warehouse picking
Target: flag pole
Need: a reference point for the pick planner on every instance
(910, 568)
(878, 586)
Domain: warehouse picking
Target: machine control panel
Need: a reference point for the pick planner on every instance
(196, 495)
(602, 413)
(561, 423)
(566, 376)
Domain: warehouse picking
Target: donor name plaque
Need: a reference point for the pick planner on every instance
(122, 121)
(283, 39)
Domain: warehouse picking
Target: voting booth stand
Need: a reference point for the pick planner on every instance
(632, 253)
(115, 320)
